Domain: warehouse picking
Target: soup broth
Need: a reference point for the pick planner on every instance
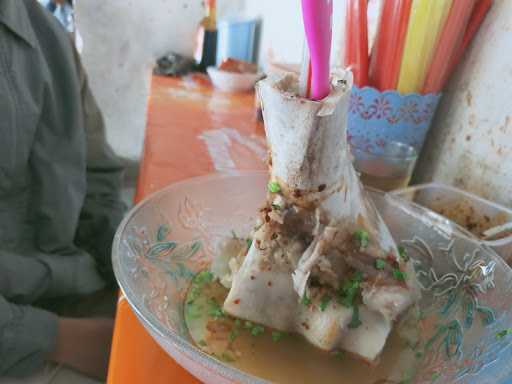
(277, 356)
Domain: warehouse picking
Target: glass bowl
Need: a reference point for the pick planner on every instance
(467, 288)
(386, 167)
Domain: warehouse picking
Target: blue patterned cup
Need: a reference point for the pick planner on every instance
(377, 117)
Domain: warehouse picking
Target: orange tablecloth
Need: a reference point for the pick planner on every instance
(192, 130)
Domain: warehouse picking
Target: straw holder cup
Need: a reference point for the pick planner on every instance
(376, 117)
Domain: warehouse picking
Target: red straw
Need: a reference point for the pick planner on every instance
(477, 17)
(389, 44)
(356, 35)
(449, 40)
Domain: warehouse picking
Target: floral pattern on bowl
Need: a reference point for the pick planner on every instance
(467, 290)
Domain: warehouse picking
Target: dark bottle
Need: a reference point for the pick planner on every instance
(206, 44)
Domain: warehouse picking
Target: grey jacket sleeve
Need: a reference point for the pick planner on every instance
(27, 336)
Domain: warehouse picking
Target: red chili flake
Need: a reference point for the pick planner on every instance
(237, 301)
(267, 218)
(305, 325)
(321, 187)
(392, 260)
(297, 193)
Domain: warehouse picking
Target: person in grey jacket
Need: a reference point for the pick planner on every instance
(59, 197)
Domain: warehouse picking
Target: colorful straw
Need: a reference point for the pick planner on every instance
(389, 44)
(449, 40)
(356, 32)
(425, 23)
(317, 15)
(477, 17)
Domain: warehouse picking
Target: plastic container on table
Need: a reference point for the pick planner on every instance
(237, 39)
(469, 211)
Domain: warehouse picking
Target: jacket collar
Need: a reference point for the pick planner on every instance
(14, 16)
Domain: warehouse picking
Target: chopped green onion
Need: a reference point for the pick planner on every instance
(435, 376)
(193, 312)
(248, 242)
(355, 322)
(407, 380)
(501, 334)
(276, 207)
(257, 330)
(248, 325)
(276, 336)
(194, 294)
(227, 357)
(349, 290)
(215, 309)
(362, 237)
(233, 334)
(324, 301)
(305, 299)
(203, 277)
(216, 313)
(338, 354)
(399, 275)
(202, 343)
(357, 276)
(274, 187)
(237, 323)
(403, 253)
(380, 264)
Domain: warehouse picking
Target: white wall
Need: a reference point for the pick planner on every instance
(283, 32)
(121, 41)
(470, 144)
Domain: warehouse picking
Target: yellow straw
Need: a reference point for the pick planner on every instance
(425, 23)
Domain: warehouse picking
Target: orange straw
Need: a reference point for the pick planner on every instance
(477, 17)
(356, 36)
(389, 44)
(449, 40)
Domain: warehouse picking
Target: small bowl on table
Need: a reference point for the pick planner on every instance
(234, 76)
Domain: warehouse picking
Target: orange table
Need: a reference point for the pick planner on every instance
(192, 130)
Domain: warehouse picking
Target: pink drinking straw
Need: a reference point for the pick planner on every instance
(317, 15)
(449, 40)
(389, 44)
(356, 45)
(477, 17)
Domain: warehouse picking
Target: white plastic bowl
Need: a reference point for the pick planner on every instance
(233, 82)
